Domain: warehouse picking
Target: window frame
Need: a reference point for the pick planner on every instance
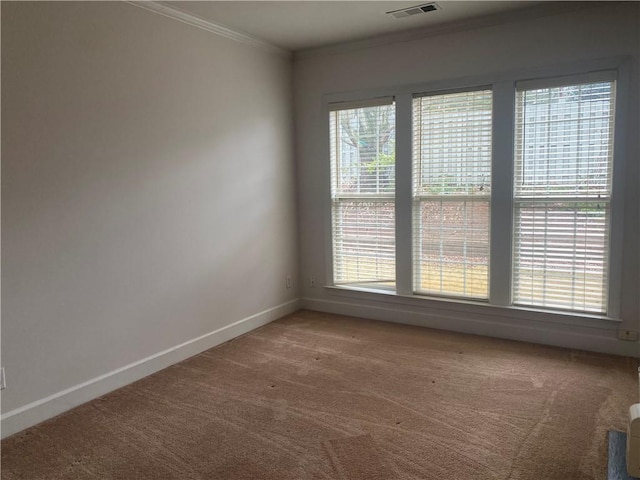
(589, 78)
(416, 199)
(336, 199)
(503, 86)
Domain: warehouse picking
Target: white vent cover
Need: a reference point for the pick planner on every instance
(416, 10)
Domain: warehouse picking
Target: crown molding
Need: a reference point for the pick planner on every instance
(528, 13)
(204, 24)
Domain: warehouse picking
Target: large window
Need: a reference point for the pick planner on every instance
(451, 193)
(503, 193)
(563, 171)
(363, 195)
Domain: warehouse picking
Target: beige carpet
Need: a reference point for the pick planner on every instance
(317, 396)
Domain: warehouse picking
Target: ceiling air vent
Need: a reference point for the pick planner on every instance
(418, 9)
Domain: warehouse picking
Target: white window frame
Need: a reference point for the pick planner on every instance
(503, 86)
(336, 199)
(592, 77)
(416, 199)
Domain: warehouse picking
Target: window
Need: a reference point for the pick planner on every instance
(502, 193)
(562, 199)
(451, 193)
(363, 195)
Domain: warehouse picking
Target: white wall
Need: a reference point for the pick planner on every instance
(148, 196)
(581, 35)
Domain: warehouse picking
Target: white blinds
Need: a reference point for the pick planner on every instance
(562, 186)
(363, 195)
(451, 193)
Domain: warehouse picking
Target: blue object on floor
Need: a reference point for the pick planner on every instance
(617, 469)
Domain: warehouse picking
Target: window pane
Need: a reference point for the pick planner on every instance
(561, 255)
(564, 141)
(363, 195)
(452, 144)
(363, 151)
(451, 188)
(453, 250)
(563, 171)
(364, 242)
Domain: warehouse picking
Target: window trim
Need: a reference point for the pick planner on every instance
(503, 85)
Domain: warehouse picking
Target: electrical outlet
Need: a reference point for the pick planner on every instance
(3, 382)
(628, 335)
(289, 284)
(312, 281)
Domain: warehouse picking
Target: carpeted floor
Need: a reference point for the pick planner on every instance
(317, 396)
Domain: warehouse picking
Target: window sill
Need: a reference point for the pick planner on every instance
(466, 306)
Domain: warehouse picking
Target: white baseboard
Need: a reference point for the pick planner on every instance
(545, 333)
(48, 407)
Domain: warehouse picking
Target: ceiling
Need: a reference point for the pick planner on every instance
(299, 25)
